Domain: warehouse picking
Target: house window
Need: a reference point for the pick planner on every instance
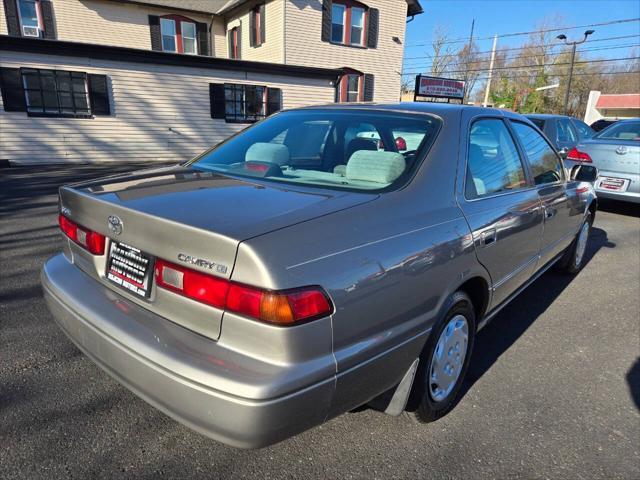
(357, 26)
(30, 17)
(169, 41)
(189, 44)
(234, 43)
(55, 92)
(350, 88)
(244, 103)
(257, 25)
(179, 35)
(338, 14)
(348, 23)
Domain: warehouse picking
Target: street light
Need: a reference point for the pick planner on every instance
(573, 58)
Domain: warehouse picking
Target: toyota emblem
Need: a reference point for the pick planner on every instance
(115, 225)
(622, 150)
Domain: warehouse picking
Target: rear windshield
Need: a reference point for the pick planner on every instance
(621, 131)
(538, 122)
(362, 150)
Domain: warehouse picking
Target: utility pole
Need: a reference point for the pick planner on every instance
(493, 56)
(573, 59)
(466, 68)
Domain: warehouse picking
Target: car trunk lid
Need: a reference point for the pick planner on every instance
(613, 156)
(192, 218)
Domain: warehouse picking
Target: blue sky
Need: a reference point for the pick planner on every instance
(506, 16)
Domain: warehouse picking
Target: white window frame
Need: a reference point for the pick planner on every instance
(358, 87)
(175, 34)
(38, 18)
(361, 26)
(194, 38)
(344, 22)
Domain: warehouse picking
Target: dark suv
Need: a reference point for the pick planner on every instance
(563, 131)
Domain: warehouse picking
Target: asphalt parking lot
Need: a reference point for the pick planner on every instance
(554, 387)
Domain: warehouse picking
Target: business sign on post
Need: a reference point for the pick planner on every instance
(436, 87)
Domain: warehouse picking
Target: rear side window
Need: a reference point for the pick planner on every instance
(545, 164)
(493, 163)
(564, 131)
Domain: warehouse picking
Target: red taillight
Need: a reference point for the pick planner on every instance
(195, 285)
(578, 156)
(91, 241)
(280, 308)
(401, 144)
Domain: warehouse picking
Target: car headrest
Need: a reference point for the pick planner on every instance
(360, 143)
(375, 166)
(475, 152)
(268, 152)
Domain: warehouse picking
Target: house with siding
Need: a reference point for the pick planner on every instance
(162, 80)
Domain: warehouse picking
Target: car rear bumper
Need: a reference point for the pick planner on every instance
(176, 370)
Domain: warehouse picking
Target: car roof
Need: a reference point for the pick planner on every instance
(547, 116)
(436, 108)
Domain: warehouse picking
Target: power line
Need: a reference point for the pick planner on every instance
(516, 34)
(520, 67)
(611, 47)
(511, 77)
(635, 35)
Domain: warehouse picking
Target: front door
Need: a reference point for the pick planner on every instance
(501, 205)
(561, 218)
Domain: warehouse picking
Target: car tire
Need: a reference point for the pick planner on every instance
(430, 399)
(573, 259)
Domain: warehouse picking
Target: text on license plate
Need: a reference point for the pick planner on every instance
(608, 183)
(129, 268)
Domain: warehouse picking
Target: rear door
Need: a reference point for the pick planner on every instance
(500, 204)
(561, 214)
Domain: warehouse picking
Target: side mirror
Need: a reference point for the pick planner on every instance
(584, 173)
(563, 153)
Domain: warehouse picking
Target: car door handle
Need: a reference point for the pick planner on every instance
(488, 237)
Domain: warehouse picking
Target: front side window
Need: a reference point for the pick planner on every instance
(337, 22)
(564, 132)
(493, 163)
(30, 22)
(55, 92)
(545, 164)
(244, 103)
(189, 44)
(621, 131)
(584, 130)
(169, 41)
(326, 149)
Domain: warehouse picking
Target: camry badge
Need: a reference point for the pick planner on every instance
(622, 150)
(115, 225)
(202, 263)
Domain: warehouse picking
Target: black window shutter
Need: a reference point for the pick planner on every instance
(274, 100)
(11, 14)
(263, 24)
(204, 42)
(231, 55)
(368, 87)
(156, 34)
(326, 21)
(99, 94)
(216, 100)
(48, 19)
(12, 91)
(372, 34)
(252, 28)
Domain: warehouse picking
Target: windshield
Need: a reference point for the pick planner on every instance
(362, 150)
(621, 131)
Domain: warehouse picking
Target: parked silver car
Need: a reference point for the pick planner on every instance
(297, 270)
(615, 152)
